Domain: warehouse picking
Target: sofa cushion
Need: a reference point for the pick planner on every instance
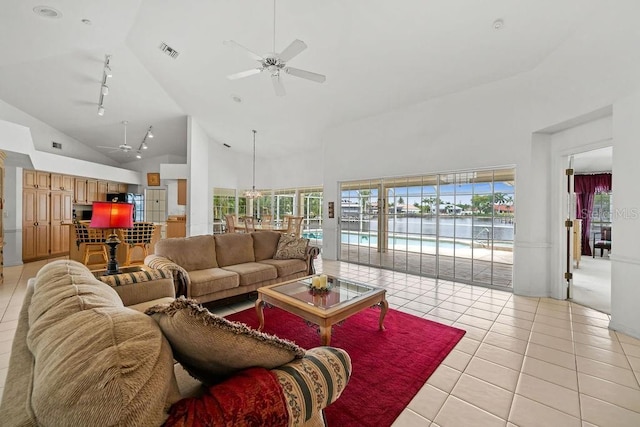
(212, 280)
(96, 361)
(190, 253)
(212, 348)
(287, 267)
(265, 244)
(253, 272)
(291, 247)
(234, 248)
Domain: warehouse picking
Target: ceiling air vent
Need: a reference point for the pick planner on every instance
(57, 145)
(169, 50)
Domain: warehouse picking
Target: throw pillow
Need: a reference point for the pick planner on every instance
(211, 348)
(290, 247)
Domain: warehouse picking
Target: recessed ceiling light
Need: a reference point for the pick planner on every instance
(47, 12)
(87, 21)
(236, 98)
(498, 24)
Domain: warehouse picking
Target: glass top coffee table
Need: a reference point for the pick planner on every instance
(323, 308)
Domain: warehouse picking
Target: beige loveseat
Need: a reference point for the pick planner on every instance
(212, 267)
(81, 357)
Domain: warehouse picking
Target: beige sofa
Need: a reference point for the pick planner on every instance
(212, 267)
(80, 357)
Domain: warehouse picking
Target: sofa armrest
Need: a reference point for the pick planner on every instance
(181, 280)
(313, 382)
(293, 394)
(312, 253)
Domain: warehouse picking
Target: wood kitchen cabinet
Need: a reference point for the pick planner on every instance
(103, 189)
(61, 220)
(35, 223)
(61, 182)
(182, 192)
(123, 188)
(92, 190)
(35, 179)
(112, 187)
(81, 191)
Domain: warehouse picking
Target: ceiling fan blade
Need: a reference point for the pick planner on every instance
(306, 74)
(242, 74)
(251, 54)
(277, 85)
(292, 50)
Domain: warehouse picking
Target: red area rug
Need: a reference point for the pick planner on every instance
(389, 367)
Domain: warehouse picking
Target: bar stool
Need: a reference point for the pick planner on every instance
(137, 237)
(93, 240)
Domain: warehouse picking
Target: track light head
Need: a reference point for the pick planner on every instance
(144, 146)
(149, 133)
(107, 71)
(138, 155)
(100, 110)
(104, 90)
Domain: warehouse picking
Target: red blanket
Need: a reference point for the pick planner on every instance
(252, 397)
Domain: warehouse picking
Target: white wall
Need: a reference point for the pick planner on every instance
(42, 136)
(199, 201)
(625, 256)
(498, 124)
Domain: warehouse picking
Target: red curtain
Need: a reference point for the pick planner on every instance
(585, 186)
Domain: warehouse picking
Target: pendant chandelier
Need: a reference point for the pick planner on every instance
(253, 194)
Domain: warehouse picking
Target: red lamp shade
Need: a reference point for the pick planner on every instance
(112, 215)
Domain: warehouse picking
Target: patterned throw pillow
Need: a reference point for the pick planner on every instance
(212, 348)
(291, 247)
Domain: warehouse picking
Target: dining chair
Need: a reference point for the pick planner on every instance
(249, 224)
(293, 225)
(266, 219)
(137, 237)
(230, 220)
(604, 242)
(93, 240)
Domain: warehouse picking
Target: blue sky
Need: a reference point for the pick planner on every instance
(458, 193)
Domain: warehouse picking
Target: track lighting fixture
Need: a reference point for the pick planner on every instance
(143, 144)
(104, 89)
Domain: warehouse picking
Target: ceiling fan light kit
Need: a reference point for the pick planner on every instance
(275, 63)
(253, 193)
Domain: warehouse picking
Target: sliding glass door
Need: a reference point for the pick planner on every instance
(457, 226)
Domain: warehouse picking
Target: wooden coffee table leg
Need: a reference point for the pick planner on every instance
(325, 335)
(384, 307)
(259, 307)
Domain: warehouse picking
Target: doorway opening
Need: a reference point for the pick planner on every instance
(592, 198)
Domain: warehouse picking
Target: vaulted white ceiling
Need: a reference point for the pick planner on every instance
(377, 55)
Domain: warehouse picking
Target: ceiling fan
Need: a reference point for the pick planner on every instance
(275, 63)
(124, 147)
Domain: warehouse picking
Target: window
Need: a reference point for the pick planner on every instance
(455, 226)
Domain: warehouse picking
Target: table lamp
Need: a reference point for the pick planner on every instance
(112, 215)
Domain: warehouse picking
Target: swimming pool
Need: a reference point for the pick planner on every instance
(400, 243)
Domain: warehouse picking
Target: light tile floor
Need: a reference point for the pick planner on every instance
(523, 361)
